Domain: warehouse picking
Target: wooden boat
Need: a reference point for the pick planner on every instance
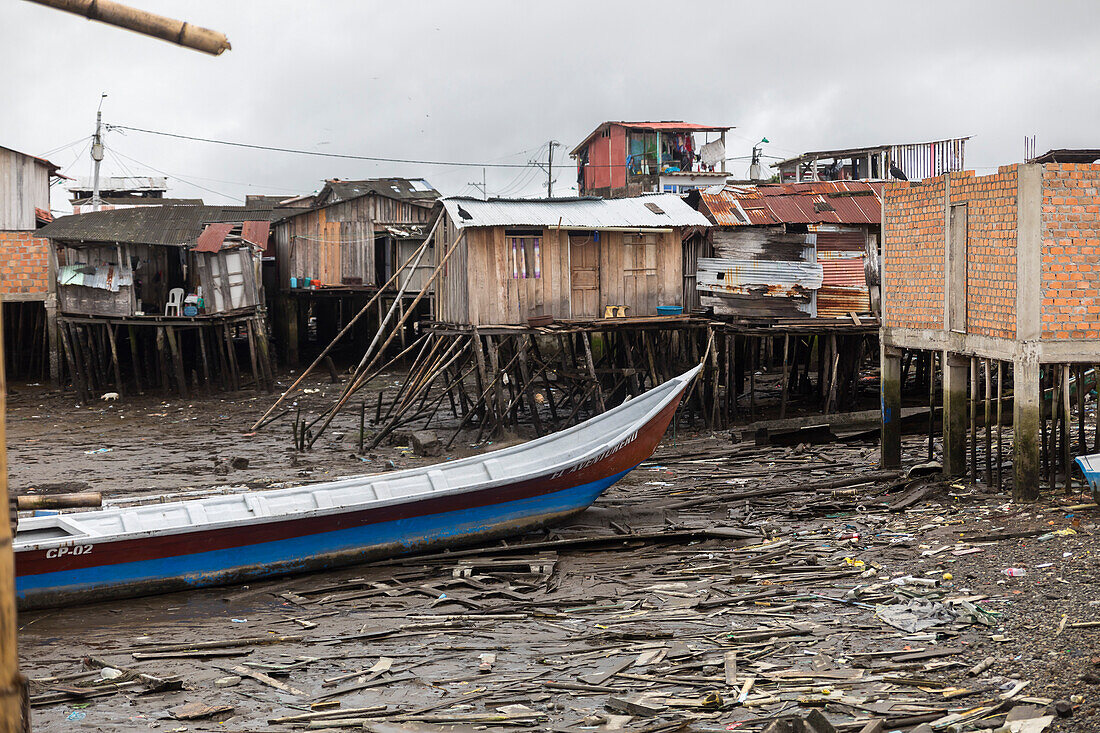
(120, 552)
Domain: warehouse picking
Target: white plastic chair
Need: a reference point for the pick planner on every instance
(175, 302)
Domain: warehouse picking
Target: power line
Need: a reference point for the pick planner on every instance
(344, 156)
(173, 175)
(315, 153)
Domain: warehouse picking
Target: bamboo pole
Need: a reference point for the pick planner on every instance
(382, 349)
(145, 23)
(343, 332)
(398, 301)
(59, 501)
(12, 686)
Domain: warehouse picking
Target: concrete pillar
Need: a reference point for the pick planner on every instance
(1025, 429)
(1025, 368)
(890, 393)
(956, 369)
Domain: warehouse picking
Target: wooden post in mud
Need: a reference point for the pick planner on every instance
(14, 711)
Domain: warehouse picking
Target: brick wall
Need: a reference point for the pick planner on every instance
(24, 264)
(1071, 251)
(913, 254)
(991, 249)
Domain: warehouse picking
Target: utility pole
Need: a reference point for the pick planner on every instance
(483, 186)
(756, 171)
(97, 156)
(550, 169)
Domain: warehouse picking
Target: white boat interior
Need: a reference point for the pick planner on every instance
(550, 453)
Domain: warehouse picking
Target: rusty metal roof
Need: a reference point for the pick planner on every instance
(819, 202)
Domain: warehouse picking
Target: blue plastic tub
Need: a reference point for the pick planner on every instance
(1090, 467)
(669, 310)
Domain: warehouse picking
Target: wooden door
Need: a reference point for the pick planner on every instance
(584, 274)
(640, 274)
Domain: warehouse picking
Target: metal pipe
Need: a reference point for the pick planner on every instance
(145, 23)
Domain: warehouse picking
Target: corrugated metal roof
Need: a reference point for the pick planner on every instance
(402, 189)
(643, 212)
(820, 202)
(163, 225)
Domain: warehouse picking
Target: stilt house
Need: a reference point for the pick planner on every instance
(991, 303)
(565, 259)
(334, 255)
(791, 250)
(26, 285)
(174, 288)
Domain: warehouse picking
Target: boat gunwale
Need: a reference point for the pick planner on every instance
(91, 538)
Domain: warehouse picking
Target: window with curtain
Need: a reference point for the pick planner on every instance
(526, 254)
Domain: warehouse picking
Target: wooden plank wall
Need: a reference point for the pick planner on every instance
(24, 186)
(451, 295)
(640, 276)
(335, 244)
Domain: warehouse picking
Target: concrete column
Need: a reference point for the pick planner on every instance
(1025, 368)
(956, 368)
(1025, 429)
(890, 393)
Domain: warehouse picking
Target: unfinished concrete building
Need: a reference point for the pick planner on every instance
(997, 278)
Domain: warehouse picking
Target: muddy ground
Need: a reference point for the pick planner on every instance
(713, 548)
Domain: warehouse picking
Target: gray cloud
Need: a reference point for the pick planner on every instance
(486, 81)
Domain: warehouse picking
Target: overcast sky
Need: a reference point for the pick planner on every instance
(493, 82)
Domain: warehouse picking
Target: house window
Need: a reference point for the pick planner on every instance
(526, 254)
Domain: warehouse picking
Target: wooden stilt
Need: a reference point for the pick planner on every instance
(70, 359)
(114, 358)
(231, 357)
(163, 366)
(592, 372)
(1079, 380)
(527, 389)
(988, 422)
(201, 330)
(973, 436)
(786, 378)
(1000, 425)
(257, 375)
(135, 359)
(177, 361)
(931, 404)
(544, 369)
(1067, 422)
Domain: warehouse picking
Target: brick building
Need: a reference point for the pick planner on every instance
(998, 275)
(26, 285)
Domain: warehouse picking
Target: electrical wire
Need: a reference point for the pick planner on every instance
(63, 147)
(173, 175)
(315, 153)
(344, 156)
